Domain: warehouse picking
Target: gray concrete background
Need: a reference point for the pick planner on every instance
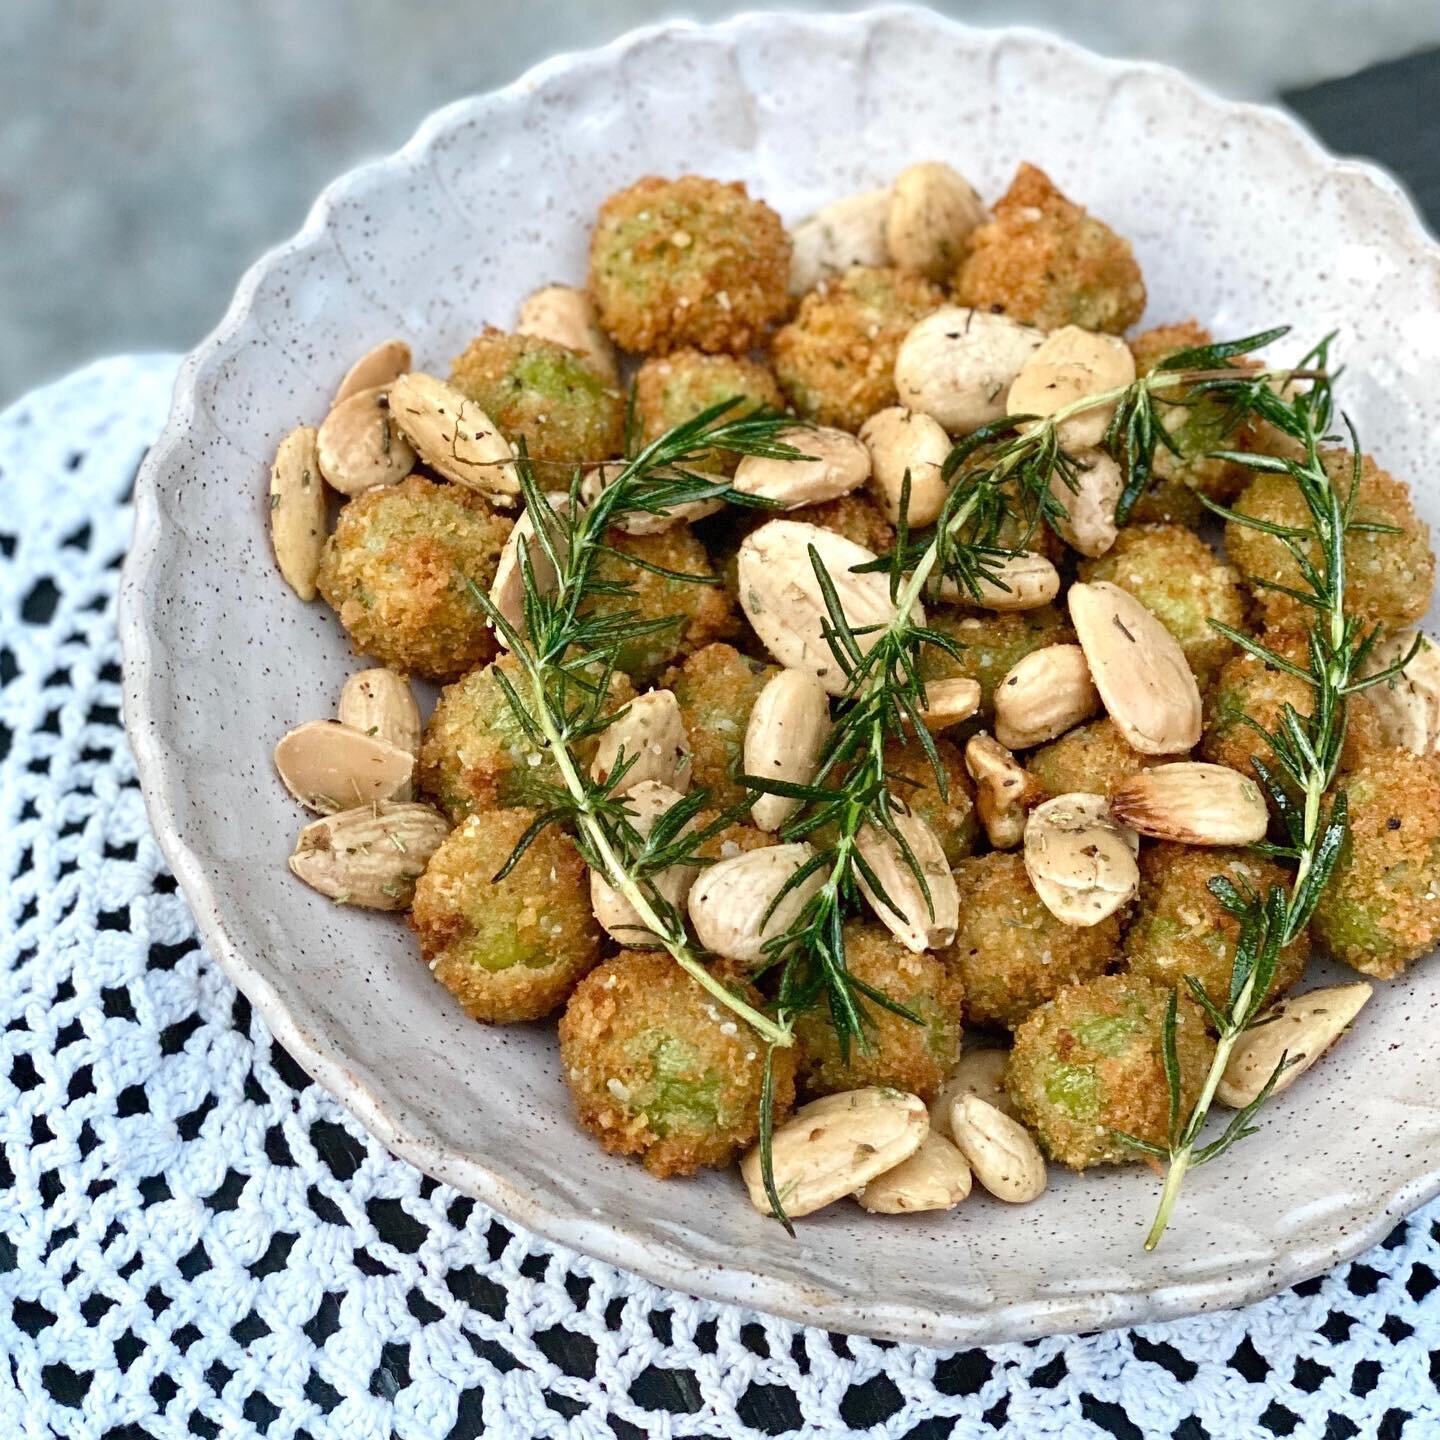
(149, 149)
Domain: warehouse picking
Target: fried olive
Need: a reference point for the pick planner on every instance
(1090, 1063)
(658, 1069)
(836, 359)
(511, 949)
(907, 1055)
(397, 569)
(912, 781)
(1012, 953)
(1090, 759)
(990, 644)
(671, 389)
(688, 262)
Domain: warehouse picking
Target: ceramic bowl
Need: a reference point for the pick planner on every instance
(1237, 217)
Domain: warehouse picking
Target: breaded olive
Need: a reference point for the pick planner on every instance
(696, 610)
(1181, 929)
(688, 262)
(912, 783)
(552, 398)
(397, 569)
(1175, 575)
(836, 359)
(511, 949)
(657, 1068)
(1091, 1063)
(671, 389)
(1197, 428)
(903, 1054)
(1381, 909)
(717, 688)
(477, 755)
(990, 643)
(1091, 759)
(1388, 576)
(1012, 953)
(1044, 261)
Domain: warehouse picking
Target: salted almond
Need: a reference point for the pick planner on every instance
(455, 437)
(957, 364)
(833, 1146)
(387, 362)
(371, 856)
(1004, 790)
(1044, 694)
(618, 917)
(905, 443)
(731, 900)
(1080, 861)
(789, 724)
(935, 1177)
(1301, 1029)
(360, 446)
(507, 590)
(844, 233)
(297, 511)
(948, 702)
(1024, 581)
(1070, 365)
(1088, 524)
(1138, 668)
(1408, 704)
(979, 1072)
(933, 210)
(1193, 803)
(782, 599)
(646, 522)
(1002, 1155)
(836, 463)
(649, 731)
(566, 316)
(380, 702)
(328, 766)
(918, 922)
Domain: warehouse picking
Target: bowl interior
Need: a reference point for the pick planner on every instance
(1237, 220)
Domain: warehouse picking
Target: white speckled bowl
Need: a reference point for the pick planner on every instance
(1237, 217)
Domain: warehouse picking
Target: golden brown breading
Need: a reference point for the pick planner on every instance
(912, 782)
(395, 572)
(1091, 760)
(658, 1069)
(671, 389)
(1044, 261)
(688, 262)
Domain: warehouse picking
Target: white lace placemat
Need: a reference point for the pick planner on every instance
(195, 1240)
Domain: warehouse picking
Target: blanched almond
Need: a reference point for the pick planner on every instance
(1138, 668)
(935, 1177)
(1301, 1028)
(980, 1072)
(1002, 1154)
(455, 437)
(1193, 803)
(297, 511)
(360, 446)
(1089, 522)
(948, 702)
(328, 766)
(1004, 790)
(507, 590)
(906, 442)
(1408, 704)
(1080, 861)
(1070, 365)
(919, 922)
(730, 900)
(1044, 694)
(782, 599)
(933, 210)
(371, 856)
(788, 727)
(646, 803)
(836, 463)
(649, 731)
(388, 361)
(832, 1146)
(646, 522)
(566, 316)
(844, 233)
(380, 702)
(958, 364)
(1024, 581)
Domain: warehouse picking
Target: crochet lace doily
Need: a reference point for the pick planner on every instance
(196, 1240)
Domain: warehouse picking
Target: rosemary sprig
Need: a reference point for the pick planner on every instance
(567, 653)
(1299, 776)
